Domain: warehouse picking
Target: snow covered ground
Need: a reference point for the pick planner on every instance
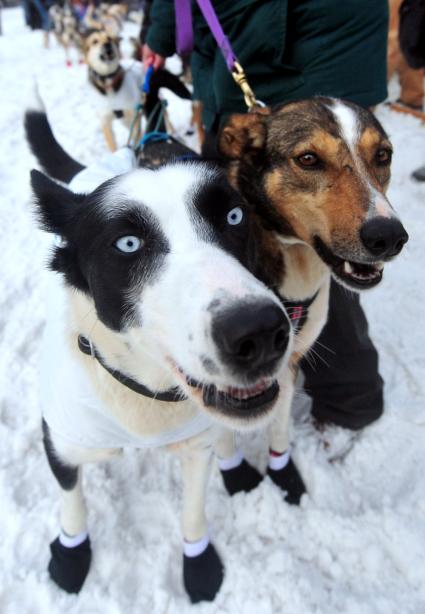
(355, 546)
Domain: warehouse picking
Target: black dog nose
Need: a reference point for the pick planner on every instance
(383, 237)
(252, 336)
(108, 49)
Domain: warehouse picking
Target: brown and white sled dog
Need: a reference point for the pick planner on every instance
(315, 173)
(156, 332)
(116, 86)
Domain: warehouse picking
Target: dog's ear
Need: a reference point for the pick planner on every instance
(244, 134)
(56, 205)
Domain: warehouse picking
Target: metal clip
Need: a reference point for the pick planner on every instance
(239, 76)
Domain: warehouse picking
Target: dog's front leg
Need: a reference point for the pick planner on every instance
(107, 131)
(71, 550)
(281, 467)
(238, 475)
(68, 61)
(129, 118)
(202, 567)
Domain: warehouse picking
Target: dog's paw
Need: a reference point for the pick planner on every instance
(203, 575)
(69, 567)
(242, 478)
(289, 480)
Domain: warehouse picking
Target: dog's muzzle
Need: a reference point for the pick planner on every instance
(252, 338)
(108, 53)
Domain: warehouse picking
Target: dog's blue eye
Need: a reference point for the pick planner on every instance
(235, 216)
(128, 244)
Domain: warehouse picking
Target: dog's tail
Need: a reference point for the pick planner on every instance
(163, 78)
(52, 158)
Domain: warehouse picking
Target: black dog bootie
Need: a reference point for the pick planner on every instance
(203, 575)
(242, 478)
(289, 479)
(69, 567)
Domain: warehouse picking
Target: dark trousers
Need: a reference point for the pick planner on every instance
(346, 387)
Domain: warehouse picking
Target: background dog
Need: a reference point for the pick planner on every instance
(67, 29)
(117, 86)
(106, 17)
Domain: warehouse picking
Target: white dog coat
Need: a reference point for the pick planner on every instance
(127, 96)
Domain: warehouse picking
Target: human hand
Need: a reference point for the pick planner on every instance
(150, 58)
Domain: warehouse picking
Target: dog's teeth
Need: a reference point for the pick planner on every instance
(362, 275)
(246, 393)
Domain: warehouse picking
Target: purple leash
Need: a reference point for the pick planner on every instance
(184, 42)
(184, 29)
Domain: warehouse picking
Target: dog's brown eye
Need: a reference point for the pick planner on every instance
(308, 159)
(383, 156)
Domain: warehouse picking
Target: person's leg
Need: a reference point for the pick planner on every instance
(411, 81)
(348, 389)
(394, 53)
(412, 85)
(44, 14)
(27, 12)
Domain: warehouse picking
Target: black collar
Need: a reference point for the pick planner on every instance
(173, 395)
(103, 83)
(298, 311)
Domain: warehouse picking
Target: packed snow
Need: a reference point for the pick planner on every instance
(356, 545)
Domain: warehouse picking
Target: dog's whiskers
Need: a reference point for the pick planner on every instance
(325, 347)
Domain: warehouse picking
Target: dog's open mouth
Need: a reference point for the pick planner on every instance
(240, 402)
(107, 56)
(237, 402)
(358, 275)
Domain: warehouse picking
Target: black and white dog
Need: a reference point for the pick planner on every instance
(156, 332)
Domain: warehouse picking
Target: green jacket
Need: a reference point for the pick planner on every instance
(290, 49)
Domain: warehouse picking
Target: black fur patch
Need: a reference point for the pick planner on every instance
(256, 195)
(89, 260)
(52, 158)
(163, 79)
(66, 475)
(211, 204)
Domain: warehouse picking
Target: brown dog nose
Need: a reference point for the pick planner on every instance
(252, 338)
(383, 237)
